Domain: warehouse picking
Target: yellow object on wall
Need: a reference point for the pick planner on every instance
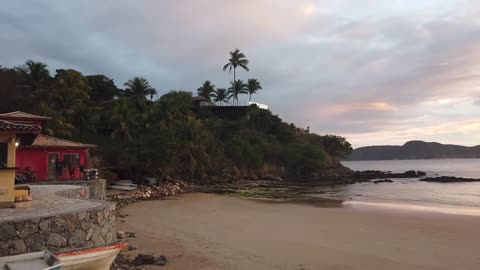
(7, 175)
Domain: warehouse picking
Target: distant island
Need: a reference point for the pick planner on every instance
(415, 150)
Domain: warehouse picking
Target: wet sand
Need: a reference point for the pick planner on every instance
(205, 231)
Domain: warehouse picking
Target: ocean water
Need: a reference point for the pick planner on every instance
(463, 198)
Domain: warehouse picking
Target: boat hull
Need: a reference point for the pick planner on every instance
(97, 258)
(31, 261)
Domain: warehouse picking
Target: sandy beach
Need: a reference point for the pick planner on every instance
(204, 231)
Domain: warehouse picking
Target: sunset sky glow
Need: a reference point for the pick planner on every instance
(376, 72)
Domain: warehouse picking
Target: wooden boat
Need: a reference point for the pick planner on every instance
(95, 258)
(42, 260)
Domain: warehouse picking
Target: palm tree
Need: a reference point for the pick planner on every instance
(74, 81)
(253, 85)
(220, 95)
(152, 92)
(237, 59)
(121, 120)
(36, 72)
(206, 90)
(191, 143)
(139, 88)
(237, 87)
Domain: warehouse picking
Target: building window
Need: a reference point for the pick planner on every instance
(71, 160)
(3, 154)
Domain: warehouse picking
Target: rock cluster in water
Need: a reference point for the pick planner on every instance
(448, 179)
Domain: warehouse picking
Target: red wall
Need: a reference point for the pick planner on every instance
(37, 160)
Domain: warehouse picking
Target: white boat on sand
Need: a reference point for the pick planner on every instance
(95, 258)
(31, 261)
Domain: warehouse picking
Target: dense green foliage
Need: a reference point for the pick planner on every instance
(170, 135)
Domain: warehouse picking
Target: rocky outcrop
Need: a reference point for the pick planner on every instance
(449, 179)
(151, 192)
(379, 174)
(382, 181)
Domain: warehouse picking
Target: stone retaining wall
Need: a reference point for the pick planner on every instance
(75, 229)
(98, 189)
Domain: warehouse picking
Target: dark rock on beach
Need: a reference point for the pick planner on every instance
(449, 179)
(382, 181)
(161, 260)
(144, 259)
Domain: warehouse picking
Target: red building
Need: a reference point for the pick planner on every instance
(41, 153)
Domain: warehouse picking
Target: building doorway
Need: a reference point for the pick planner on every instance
(52, 158)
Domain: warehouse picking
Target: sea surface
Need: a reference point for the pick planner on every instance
(457, 198)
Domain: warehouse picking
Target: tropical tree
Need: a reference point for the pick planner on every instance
(35, 72)
(74, 81)
(237, 59)
(173, 105)
(152, 92)
(220, 95)
(206, 90)
(237, 87)
(253, 85)
(138, 88)
(192, 140)
(121, 120)
(102, 88)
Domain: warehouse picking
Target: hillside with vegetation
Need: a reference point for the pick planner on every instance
(415, 150)
(139, 132)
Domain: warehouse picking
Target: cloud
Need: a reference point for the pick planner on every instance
(337, 66)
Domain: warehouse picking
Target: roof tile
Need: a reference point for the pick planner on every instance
(22, 116)
(18, 127)
(52, 142)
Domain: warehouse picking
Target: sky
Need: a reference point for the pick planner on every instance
(377, 72)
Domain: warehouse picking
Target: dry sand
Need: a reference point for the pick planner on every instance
(203, 231)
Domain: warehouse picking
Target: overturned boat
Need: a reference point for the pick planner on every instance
(94, 258)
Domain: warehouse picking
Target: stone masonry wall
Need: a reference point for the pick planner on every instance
(98, 189)
(85, 228)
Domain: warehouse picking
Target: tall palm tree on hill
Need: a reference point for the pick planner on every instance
(139, 88)
(253, 85)
(206, 90)
(36, 72)
(237, 87)
(152, 92)
(220, 95)
(237, 59)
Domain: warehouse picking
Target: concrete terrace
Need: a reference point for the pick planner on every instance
(49, 200)
(60, 217)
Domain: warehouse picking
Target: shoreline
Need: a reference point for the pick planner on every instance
(379, 204)
(415, 206)
(208, 231)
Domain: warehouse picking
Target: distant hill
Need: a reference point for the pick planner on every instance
(414, 150)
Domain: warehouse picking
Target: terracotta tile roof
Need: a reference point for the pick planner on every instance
(52, 142)
(9, 126)
(23, 116)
